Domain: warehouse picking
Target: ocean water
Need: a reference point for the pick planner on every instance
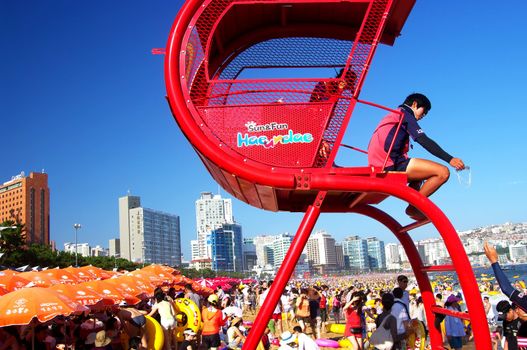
(511, 271)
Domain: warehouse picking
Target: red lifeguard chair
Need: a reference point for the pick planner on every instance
(263, 134)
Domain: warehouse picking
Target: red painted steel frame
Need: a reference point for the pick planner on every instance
(284, 273)
(183, 108)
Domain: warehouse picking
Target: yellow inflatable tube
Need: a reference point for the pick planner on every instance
(344, 343)
(188, 315)
(337, 328)
(154, 333)
(420, 334)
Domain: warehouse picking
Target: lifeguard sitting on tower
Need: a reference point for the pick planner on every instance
(415, 107)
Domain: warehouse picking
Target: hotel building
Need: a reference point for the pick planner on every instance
(25, 200)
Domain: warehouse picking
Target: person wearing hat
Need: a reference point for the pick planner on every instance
(190, 340)
(287, 341)
(213, 320)
(454, 327)
(101, 341)
(235, 337)
(511, 323)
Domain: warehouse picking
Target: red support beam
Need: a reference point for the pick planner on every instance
(284, 273)
(441, 310)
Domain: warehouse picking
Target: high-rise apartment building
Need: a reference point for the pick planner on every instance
(147, 235)
(518, 253)
(25, 200)
(98, 251)
(194, 249)
(155, 237)
(249, 254)
(356, 251)
(280, 246)
(82, 249)
(226, 244)
(125, 204)
(321, 252)
(376, 253)
(391, 251)
(262, 257)
(340, 256)
(114, 247)
(212, 211)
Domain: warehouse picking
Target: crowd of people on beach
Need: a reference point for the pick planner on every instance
(311, 314)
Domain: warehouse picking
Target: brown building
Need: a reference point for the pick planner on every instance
(25, 199)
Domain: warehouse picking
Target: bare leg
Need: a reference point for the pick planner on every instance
(434, 176)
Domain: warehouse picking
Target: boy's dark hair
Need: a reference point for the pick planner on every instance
(439, 296)
(297, 329)
(188, 286)
(160, 297)
(422, 101)
(398, 292)
(387, 301)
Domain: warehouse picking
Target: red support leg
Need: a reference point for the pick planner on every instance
(282, 277)
(436, 339)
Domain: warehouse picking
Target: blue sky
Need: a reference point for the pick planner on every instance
(82, 97)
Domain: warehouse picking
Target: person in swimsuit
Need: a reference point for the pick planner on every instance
(133, 322)
(424, 175)
(167, 314)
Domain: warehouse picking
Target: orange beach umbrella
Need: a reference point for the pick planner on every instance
(39, 278)
(11, 282)
(21, 306)
(62, 275)
(82, 294)
(111, 291)
(135, 286)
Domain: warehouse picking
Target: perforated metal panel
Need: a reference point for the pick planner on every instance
(225, 102)
(273, 134)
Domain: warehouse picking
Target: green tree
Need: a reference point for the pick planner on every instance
(12, 243)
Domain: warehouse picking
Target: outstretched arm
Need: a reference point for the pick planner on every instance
(514, 295)
(432, 147)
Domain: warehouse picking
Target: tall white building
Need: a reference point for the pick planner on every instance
(155, 237)
(518, 253)
(262, 256)
(125, 204)
(99, 251)
(392, 256)
(147, 235)
(321, 251)
(83, 249)
(280, 246)
(114, 247)
(194, 250)
(212, 212)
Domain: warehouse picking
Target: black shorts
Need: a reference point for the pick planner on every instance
(138, 321)
(211, 340)
(324, 314)
(398, 165)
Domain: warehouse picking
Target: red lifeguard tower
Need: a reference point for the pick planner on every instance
(270, 138)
